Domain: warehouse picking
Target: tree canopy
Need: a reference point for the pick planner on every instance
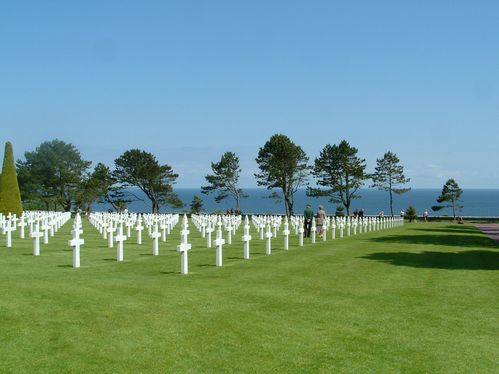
(225, 178)
(389, 176)
(51, 176)
(141, 169)
(283, 165)
(341, 172)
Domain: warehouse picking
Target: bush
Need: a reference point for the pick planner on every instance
(411, 213)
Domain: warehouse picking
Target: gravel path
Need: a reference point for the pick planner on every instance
(490, 229)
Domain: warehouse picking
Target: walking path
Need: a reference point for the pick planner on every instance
(489, 229)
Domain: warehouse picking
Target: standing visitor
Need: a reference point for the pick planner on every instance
(321, 217)
(308, 215)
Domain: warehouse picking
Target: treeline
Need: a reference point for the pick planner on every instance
(55, 176)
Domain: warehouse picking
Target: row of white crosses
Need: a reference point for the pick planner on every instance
(108, 223)
(267, 226)
(47, 221)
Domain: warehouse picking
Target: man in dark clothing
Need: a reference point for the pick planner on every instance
(308, 214)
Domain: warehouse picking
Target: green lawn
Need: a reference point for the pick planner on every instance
(422, 298)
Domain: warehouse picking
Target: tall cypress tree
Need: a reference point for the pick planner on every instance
(10, 197)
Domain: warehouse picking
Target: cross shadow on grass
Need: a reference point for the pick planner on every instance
(470, 231)
(436, 238)
(465, 260)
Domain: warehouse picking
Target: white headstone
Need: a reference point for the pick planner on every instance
(76, 242)
(246, 239)
(155, 242)
(268, 236)
(36, 235)
(183, 248)
(219, 242)
(120, 238)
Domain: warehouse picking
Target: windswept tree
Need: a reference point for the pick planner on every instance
(451, 194)
(389, 176)
(340, 172)
(224, 180)
(52, 175)
(101, 186)
(141, 169)
(10, 196)
(283, 165)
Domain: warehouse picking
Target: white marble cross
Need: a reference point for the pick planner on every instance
(36, 235)
(104, 229)
(76, 242)
(286, 233)
(120, 238)
(268, 235)
(184, 247)
(246, 239)
(228, 228)
(110, 237)
(203, 229)
(129, 225)
(219, 242)
(313, 230)
(45, 228)
(139, 229)
(7, 231)
(22, 224)
(301, 230)
(163, 226)
(155, 242)
(209, 230)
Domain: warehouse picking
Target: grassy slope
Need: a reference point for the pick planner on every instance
(422, 298)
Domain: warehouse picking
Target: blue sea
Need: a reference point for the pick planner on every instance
(476, 202)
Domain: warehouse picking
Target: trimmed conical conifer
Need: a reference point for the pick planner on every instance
(10, 196)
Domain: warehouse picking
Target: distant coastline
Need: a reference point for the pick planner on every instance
(476, 201)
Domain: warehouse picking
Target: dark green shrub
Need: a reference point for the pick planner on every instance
(10, 197)
(411, 213)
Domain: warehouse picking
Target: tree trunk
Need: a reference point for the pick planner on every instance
(288, 204)
(237, 203)
(391, 202)
(155, 205)
(66, 205)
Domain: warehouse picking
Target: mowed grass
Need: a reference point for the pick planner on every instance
(422, 298)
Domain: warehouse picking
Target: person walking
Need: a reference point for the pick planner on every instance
(425, 215)
(308, 215)
(321, 217)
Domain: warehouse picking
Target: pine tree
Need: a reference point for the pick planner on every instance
(389, 176)
(451, 193)
(10, 196)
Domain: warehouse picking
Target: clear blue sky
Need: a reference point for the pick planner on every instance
(189, 80)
